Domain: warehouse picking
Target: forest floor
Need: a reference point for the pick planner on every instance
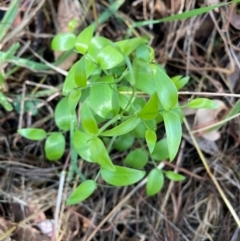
(203, 207)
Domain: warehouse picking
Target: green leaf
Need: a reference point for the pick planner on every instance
(145, 53)
(202, 103)
(9, 16)
(63, 115)
(155, 182)
(122, 176)
(180, 82)
(88, 121)
(137, 158)
(124, 142)
(123, 128)
(81, 142)
(160, 151)
(150, 110)
(166, 89)
(9, 54)
(83, 39)
(96, 45)
(129, 45)
(100, 155)
(151, 139)
(80, 73)
(63, 41)
(69, 82)
(72, 25)
(34, 134)
(5, 103)
(54, 146)
(73, 99)
(174, 176)
(104, 97)
(143, 74)
(173, 129)
(82, 192)
(109, 57)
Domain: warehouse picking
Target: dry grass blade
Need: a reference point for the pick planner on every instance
(224, 197)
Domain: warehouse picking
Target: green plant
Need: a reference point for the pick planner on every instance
(114, 96)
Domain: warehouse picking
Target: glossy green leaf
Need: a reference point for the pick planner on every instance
(63, 115)
(124, 142)
(143, 73)
(34, 134)
(104, 97)
(166, 89)
(174, 176)
(179, 112)
(88, 121)
(173, 129)
(202, 103)
(109, 57)
(80, 73)
(123, 128)
(155, 182)
(73, 99)
(181, 82)
(81, 142)
(54, 146)
(122, 176)
(129, 45)
(160, 151)
(145, 53)
(69, 82)
(150, 110)
(82, 192)
(91, 67)
(151, 138)
(83, 39)
(137, 158)
(96, 45)
(63, 41)
(100, 155)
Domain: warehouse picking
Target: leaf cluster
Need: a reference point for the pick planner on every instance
(103, 110)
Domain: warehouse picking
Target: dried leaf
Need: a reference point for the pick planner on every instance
(206, 117)
(234, 18)
(234, 77)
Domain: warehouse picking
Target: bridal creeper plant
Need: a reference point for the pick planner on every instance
(115, 95)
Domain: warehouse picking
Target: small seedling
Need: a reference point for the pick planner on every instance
(114, 96)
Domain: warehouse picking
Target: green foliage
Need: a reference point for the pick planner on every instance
(137, 158)
(64, 41)
(155, 182)
(174, 176)
(102, 110)
(82, 192)
(34, 134)
(202, 103)
(122, 176)
(54, 146)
